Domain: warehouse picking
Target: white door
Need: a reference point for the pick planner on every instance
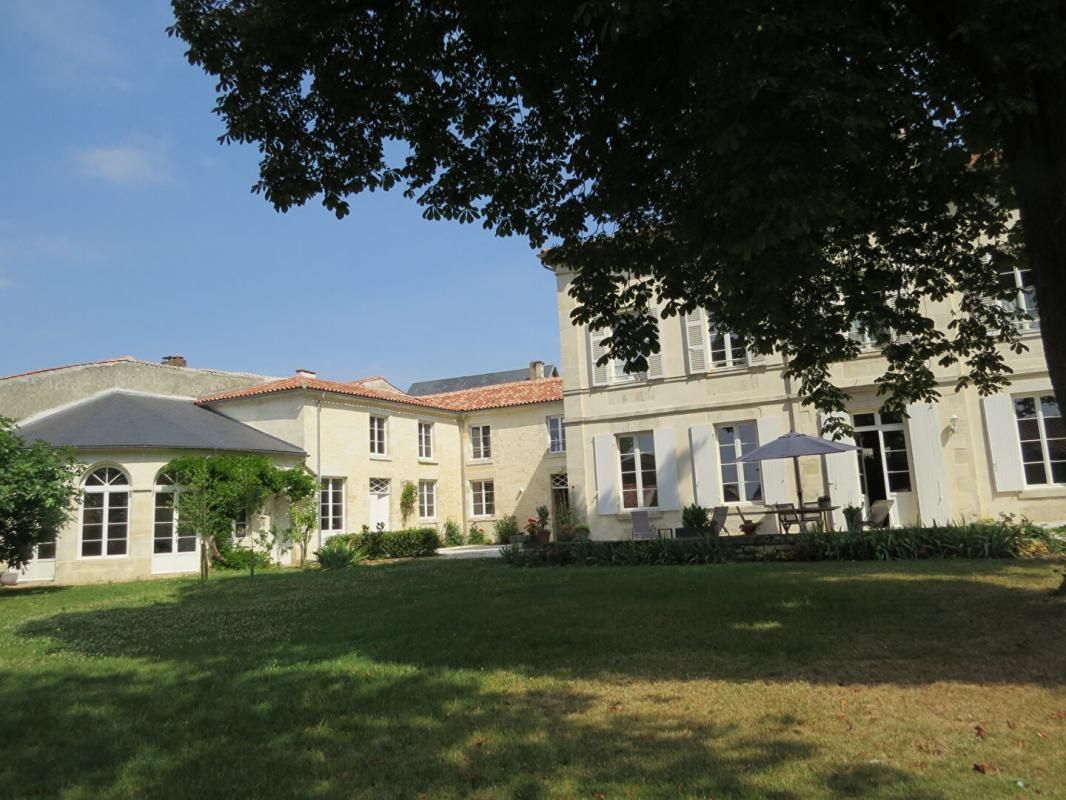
(884, 464)
(379, 503)
(43, 566)
(173, 549)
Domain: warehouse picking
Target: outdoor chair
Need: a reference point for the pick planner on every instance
(718, 518)
(788, 516)
(642, 528)
(878, 514)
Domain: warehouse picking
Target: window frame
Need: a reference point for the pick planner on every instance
(556, 444)
(880, 427)
(384, 438)
(165, 485)
(427, 434)
(729, 346)
(105, 491)
(486, 488)
(639, 471)
(427, 499)
(332, 489)
(1041, 428)
(1023, 293)
(483, 440)
(741, 466)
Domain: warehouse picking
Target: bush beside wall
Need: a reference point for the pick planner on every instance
(409, 543)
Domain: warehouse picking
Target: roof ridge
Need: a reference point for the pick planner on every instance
(491, 386)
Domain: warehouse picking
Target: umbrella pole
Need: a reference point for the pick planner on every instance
(799, 485)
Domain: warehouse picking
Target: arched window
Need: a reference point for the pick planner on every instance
(169, 537)
(105, 513)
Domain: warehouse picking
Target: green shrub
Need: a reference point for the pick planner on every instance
(339, 552)
(506, 527)
(242, 558)
(699, 550)
(476, 535)
(695, 516)
(453, 534)
(409, 543)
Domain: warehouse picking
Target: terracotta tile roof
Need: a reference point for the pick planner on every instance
(502, 395)
(499, 396)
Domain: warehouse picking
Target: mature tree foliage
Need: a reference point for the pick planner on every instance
(216, 491)
(38, 492)
(795, 168)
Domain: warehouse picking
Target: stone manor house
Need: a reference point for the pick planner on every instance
(590, 437)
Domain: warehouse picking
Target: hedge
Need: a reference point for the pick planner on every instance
(987, 539)
(408, 543)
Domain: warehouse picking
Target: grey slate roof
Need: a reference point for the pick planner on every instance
(442, 385)
(121, 419)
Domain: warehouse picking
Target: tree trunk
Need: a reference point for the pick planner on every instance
(1036, 159)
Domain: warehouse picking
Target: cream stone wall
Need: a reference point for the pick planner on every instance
(521, 466)
(679, 401)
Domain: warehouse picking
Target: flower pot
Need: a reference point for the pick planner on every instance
(9, 577)
(541, 538)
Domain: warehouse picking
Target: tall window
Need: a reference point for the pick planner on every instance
(884, 466)
(168, 537)
(637, 462)
(105, 513)
(331, 505)
(556, 435)
(425, 440)
(480, 442)
(1043, 439)
(427, 499)
(1019, 281)
(46, 548)
(741, 482)
(377, 436)
(240, 525)
(727, 350)
(483, 498)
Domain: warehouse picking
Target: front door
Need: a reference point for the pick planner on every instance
(379, 504)
(560, 501)
(884, 464)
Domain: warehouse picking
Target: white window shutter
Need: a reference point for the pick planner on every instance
(666, 469)
(774, 487)
(927, 456)
(704, 465)
(842, 475)
(600, 372)
(696, 341)
(605, 455)
(1001, 428)
(898, 339)
(755, 360)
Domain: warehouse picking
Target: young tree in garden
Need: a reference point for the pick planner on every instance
(408, 498)
(797, 169)
(216, 491)
(38, 493)
(301, 488)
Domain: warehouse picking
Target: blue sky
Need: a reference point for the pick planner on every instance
(125, 228)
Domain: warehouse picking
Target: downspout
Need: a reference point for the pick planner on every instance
(318, 453)
(462, 472)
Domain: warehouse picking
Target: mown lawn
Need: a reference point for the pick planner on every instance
(471, 679)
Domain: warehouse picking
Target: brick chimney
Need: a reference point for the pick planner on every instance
(306, 373)
(175, 361)
(536, 370)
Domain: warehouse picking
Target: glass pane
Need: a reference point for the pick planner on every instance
(647, 477)
(629, 498)
(92, 516)
(646, 443)
(164, 545)
(891, 417)
(93, 500)
(726, 435)
(647, 461)
(1056, 449)
(895, 440)
(730, 492)
(1032, 451)
(862, 420)
(1034, 474)
(1048, 407)
(729, 473)
(651, 498)
(1025, 407)
(753, 491)
(118, 499)
(187, 544)
(1055, 427)
(751, 474)
(46, 550)
(1058, 471)
(1028, 430)
(116, 547)
(625, 444)
(899, 481)
(896, 461)
(117, 515)
(91, 548)
(629, 463)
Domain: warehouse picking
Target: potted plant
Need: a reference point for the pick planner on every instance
(749, 527)
(581, 532)
(695, 521)
(537, 527)
(9, 577)
(825, 502)
(853, 517)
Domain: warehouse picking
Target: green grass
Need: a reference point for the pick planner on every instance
(459, 679)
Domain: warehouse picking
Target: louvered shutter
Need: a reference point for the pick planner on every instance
(600, 372)
(755, 359)
(605, 458)
(696, 341)
(666, 469)
(704, 465)
(842, 476)
(773, 471)
(927, 455)
(898, 339)
(655, 360)
(1001, 428)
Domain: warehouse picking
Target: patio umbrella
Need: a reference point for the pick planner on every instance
(793, 445)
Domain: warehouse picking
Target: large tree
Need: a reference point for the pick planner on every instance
(795, 168)
(38, 493)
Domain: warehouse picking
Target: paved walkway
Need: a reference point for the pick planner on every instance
(471, 551)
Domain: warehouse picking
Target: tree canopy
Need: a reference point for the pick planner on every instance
(797, 169)
(38, 492)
